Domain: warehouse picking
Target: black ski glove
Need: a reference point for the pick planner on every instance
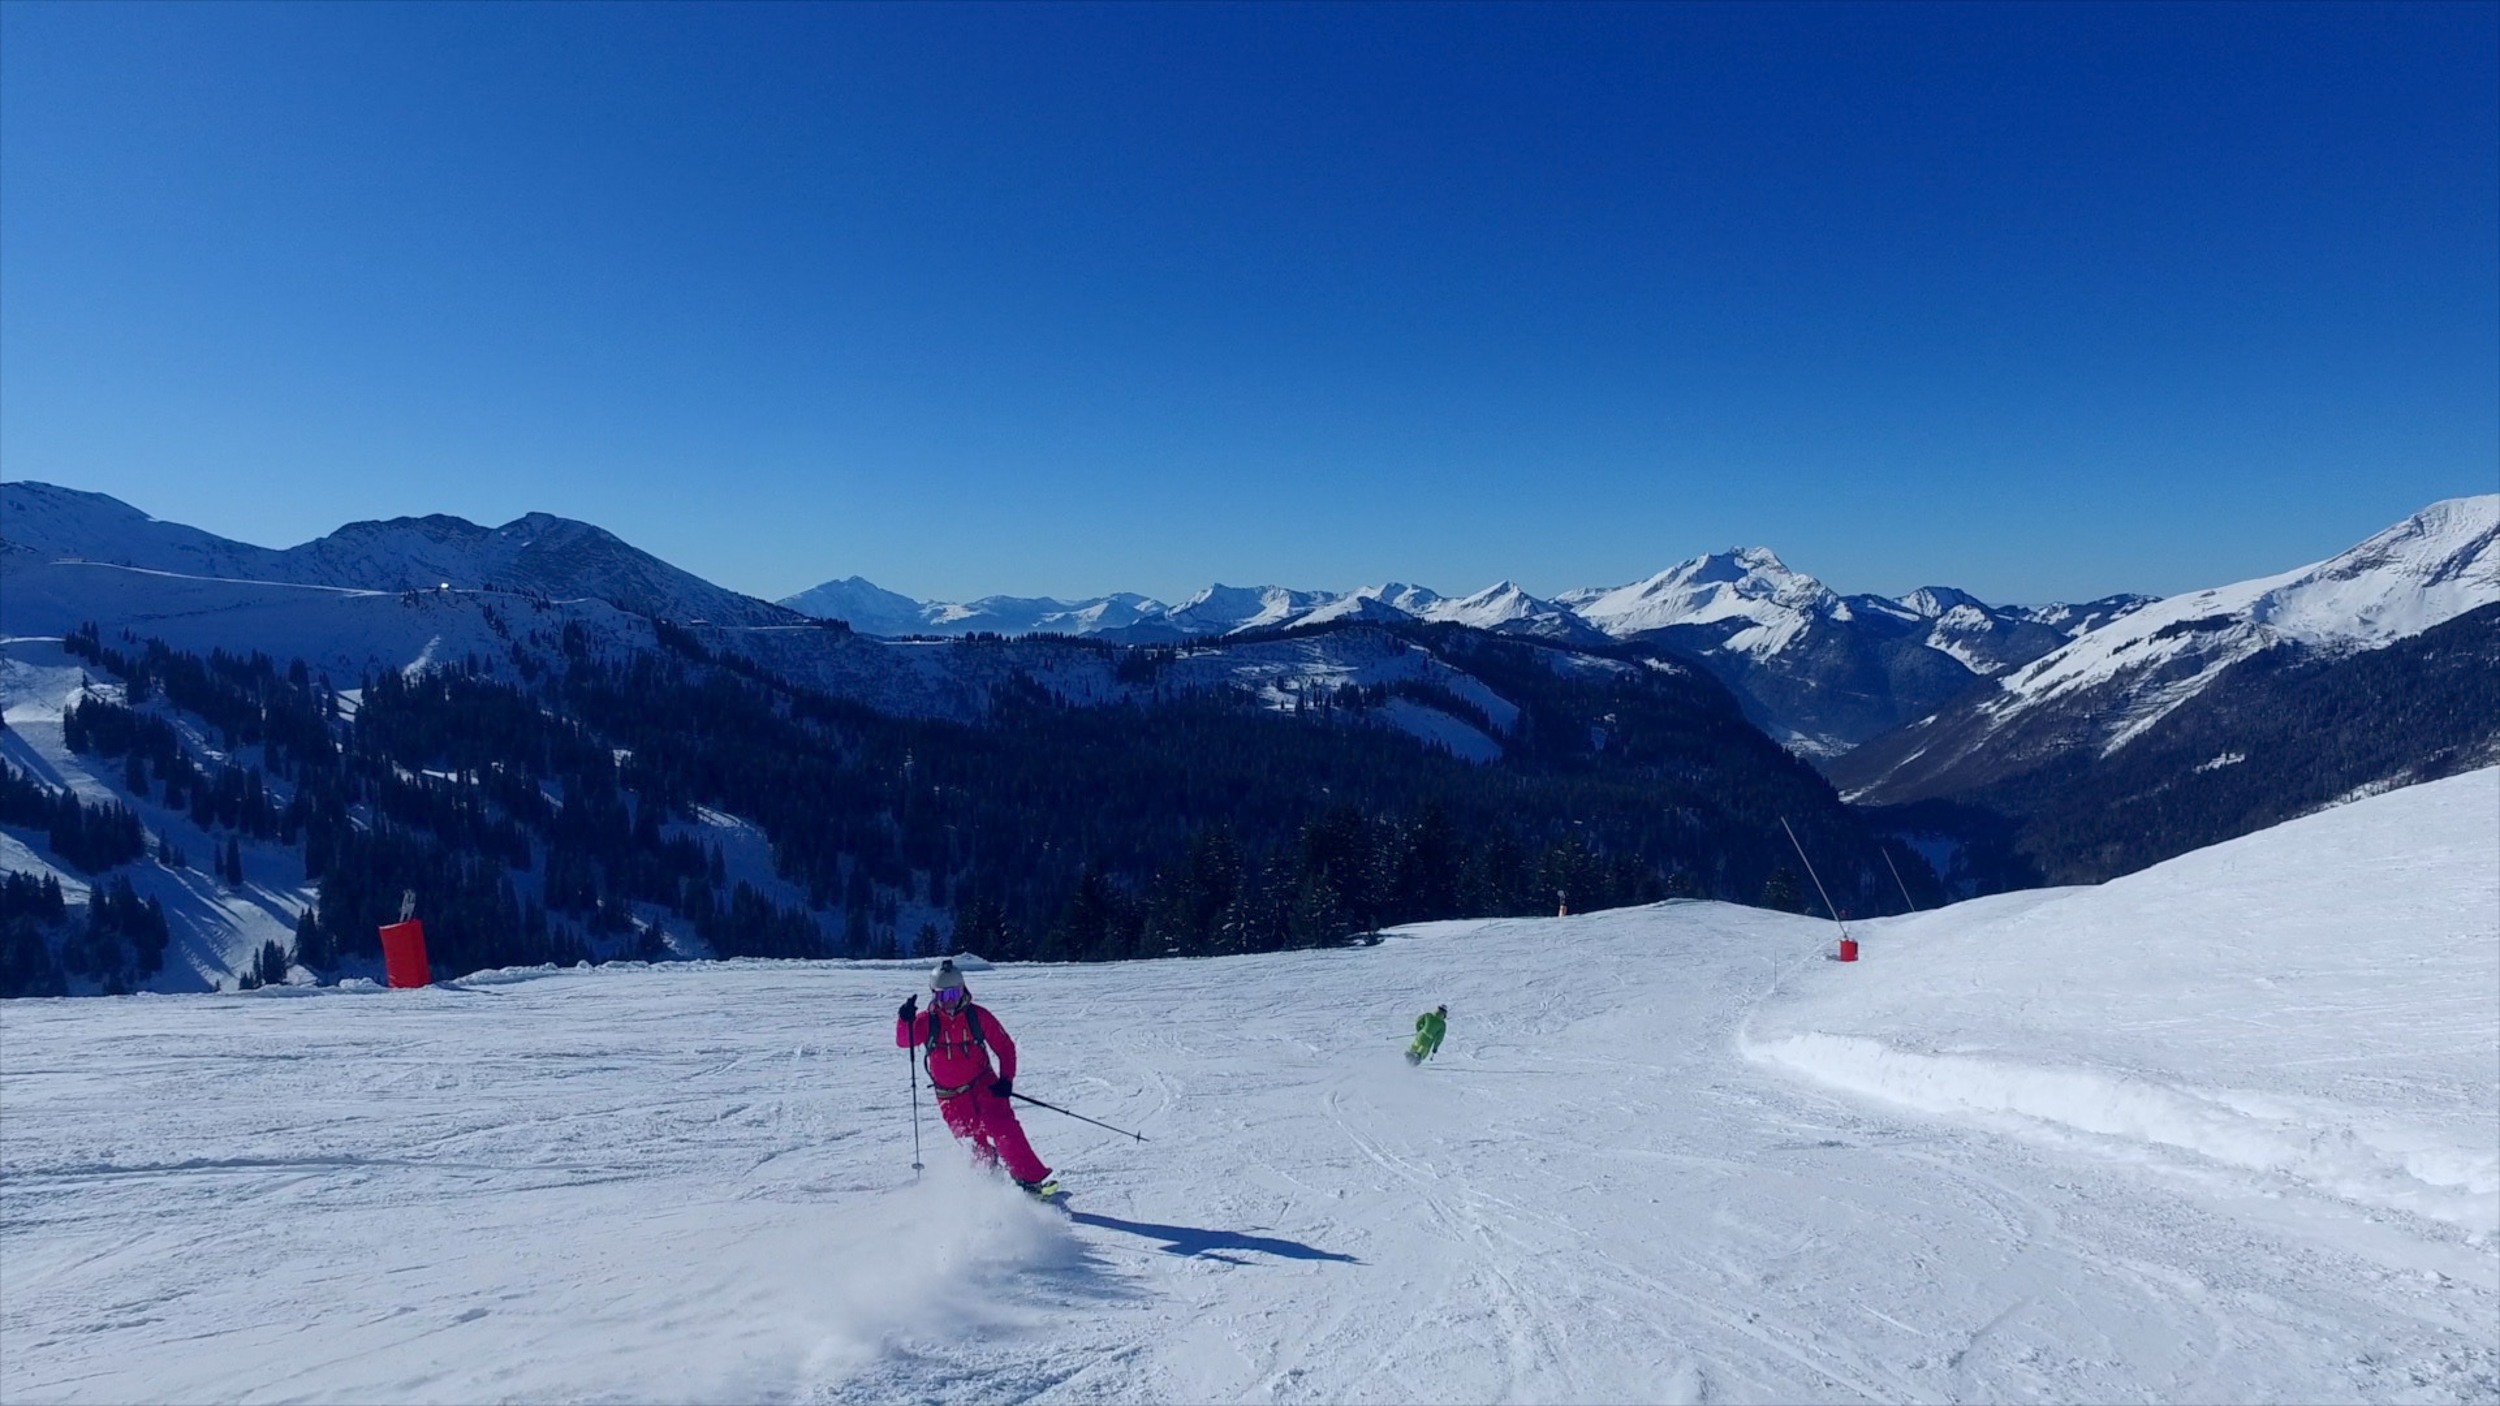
(909, 1009)
(1003, 1087)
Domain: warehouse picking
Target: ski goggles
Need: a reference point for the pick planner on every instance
(949, 995)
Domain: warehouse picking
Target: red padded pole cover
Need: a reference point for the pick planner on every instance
(403, 954)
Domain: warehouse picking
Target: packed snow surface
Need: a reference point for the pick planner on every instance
(2222, 1130)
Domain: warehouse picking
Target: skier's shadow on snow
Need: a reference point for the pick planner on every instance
(1188, 1241)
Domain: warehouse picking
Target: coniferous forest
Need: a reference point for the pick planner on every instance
(557, 809)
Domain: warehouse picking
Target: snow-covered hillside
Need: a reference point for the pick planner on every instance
(342, 631)
(538, 554)
(41, 522)
(2112, 683)
(214, 927)
(2221, 1131)
(2437, 564)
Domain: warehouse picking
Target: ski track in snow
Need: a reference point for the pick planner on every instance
(1668, 1154)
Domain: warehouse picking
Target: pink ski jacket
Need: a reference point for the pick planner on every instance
(957, 1060)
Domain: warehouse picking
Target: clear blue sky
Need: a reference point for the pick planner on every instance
(2043, 302)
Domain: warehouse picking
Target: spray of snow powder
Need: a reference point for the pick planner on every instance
(934, 1264)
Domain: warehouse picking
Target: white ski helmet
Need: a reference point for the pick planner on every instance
(946, 978)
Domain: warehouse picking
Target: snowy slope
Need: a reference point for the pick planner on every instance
(1988, 640)
(1632, 1176)
(334, 629)
(2110, 684)
(47, 522)
(2089, 1014)
(537, 554)
(214, 928)
(2433, 566)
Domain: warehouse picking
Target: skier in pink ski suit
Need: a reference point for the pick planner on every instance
(960, 1036)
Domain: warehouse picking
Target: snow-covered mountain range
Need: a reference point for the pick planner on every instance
(1746, 598)
(1127, 618)
(2111, 684)
(1821, 671)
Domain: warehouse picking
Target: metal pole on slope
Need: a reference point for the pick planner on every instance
(1848, 944)
(1896, 878)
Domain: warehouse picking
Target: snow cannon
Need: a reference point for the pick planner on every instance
(403, 954)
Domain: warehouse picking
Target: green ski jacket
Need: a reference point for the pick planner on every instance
(1429, 1028)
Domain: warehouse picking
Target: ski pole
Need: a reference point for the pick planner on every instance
(913, 1060)
(1055, 1108)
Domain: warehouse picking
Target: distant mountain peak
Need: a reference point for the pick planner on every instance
(1930, 602)
(1498, 592)
(1750, 582)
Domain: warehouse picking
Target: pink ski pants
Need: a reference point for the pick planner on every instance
(988, 1122)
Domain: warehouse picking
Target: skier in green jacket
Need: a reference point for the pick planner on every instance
(1429, 1028)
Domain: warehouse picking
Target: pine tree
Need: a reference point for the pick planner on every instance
(312, 945)
(1781, 891)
